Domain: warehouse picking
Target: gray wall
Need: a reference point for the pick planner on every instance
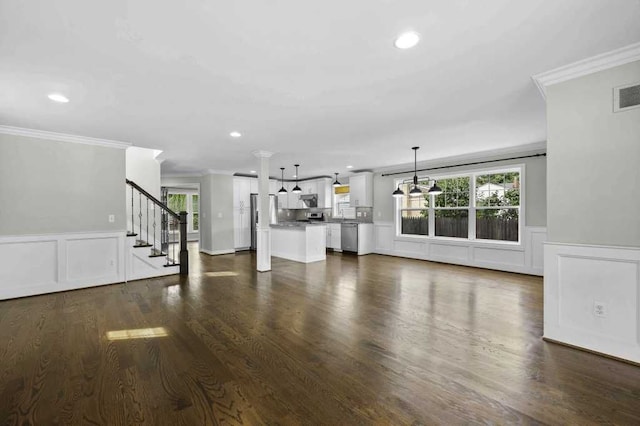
(51, 187)
(535, 187)
(216, 209)
(593, 165)
(216, 192)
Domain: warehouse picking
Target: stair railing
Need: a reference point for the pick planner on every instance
(171, 223)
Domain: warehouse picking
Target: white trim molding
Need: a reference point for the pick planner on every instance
(524, 258)
(38, 264)
(601, 62)
(63, 137)
(592, 298)
(217, 252)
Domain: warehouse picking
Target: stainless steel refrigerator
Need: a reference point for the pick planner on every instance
(255, 216)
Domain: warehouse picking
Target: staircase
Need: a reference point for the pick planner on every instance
(157, 236)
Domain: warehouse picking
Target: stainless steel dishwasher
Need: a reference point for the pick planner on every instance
(349, 240)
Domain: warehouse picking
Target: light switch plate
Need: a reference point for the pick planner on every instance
(112, 218)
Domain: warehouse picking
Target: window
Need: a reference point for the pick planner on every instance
(498, 206)
(414, 212)
(452, 208)
(480, 205)
(189, 203)
(195, 208)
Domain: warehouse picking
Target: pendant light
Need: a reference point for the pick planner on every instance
(336, 183)
(398, 192)
(415, 192)
(282, 190)
(296, 189)
(435, 189)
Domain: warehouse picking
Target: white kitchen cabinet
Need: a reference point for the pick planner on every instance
(242, 212)
(294, 199)
(273, 186)
(365, 238)
(283, 199)
(334, 236)
(361, 190)
(325, 193)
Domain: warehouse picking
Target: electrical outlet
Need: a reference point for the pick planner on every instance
(365, 214)
(112, 218)
(599, 309)
(359, 214)
(219, 215)
(379, 214)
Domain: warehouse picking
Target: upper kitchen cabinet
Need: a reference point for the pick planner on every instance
(325, 193)
(273, 186)
(361, 190)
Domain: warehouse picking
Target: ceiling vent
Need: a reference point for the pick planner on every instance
(626, 97)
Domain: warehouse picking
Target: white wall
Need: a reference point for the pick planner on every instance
(143, 168)
(593, 258)
(50, 187)
(526, 257)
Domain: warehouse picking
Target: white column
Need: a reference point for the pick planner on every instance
(263, 231)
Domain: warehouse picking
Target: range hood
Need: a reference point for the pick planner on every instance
(310, 200)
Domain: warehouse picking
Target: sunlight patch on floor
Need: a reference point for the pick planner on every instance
(140, 333)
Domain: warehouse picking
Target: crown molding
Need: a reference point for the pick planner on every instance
(494, 154)
(217, 172)
(601, 62)
(262, 154)
(63, 137)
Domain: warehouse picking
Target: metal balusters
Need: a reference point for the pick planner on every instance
(155, 250)
(140, 216)
(147, 237)
(132, 226)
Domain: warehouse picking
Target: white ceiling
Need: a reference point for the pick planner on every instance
(318, 83)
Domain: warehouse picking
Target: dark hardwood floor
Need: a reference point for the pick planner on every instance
(353, 340)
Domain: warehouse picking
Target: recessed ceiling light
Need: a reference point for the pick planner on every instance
(235, 134)
(407, 40)
(57, 97)
(253, 171)
(349, 167)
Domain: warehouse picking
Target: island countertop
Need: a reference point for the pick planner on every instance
(296, 225)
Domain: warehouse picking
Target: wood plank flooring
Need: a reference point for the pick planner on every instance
(353, 340)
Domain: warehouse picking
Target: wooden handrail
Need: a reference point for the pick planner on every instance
(153, 199)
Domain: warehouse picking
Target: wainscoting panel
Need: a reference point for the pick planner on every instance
(526, 258)
(37, 264)
(592, 298)
(444, 252)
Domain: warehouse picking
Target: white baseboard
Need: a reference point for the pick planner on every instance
(217, 252)
(525, 258)
(37, 264)
(579, 277)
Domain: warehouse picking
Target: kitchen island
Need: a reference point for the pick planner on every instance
(299, 241)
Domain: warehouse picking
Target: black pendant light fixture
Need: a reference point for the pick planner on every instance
(336, 183)
(296, 189)
(435, 189)
(415, 192)
(398, 192)
(282, 190)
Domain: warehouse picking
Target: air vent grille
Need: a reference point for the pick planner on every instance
(626, 97)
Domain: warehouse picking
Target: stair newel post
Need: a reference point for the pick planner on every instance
(147, 238)
(184, 254)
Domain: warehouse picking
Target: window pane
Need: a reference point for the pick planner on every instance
(194, 203)
(177, 202)
(497, 224)
(452, 223)
(196, 221)
(498, 189)
(415, 222)
(455, 192)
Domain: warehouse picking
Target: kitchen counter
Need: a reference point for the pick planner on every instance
(296, 225)
(299, 241)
